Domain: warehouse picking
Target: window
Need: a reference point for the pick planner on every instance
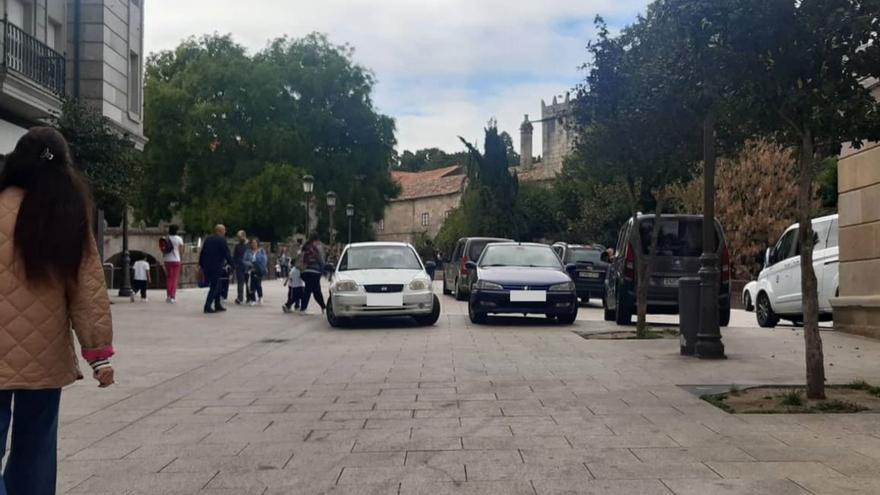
(820, 235)
(379, 258)
(785, 247)
(381, 224)
(516, 255)
(53, 36)
(425, 219)
(134, 84)
(832, 234)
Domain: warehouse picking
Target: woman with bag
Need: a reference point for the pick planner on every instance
(313, 267)
(50, 267)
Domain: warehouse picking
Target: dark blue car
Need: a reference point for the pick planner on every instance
(521, 278)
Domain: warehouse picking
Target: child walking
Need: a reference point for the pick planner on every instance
(295, 287)
(141, 279)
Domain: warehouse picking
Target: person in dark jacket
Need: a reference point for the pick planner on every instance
(215, 252)
(238, 265)
(313, 267)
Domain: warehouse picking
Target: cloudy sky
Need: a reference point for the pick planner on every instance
(444, 67)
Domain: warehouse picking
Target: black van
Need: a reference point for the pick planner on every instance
(679, 247)
(455, 273)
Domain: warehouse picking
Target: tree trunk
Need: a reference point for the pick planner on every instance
(815, 359)
(635, 241)
(647, 270)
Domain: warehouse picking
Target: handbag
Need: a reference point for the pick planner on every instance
(202, 279)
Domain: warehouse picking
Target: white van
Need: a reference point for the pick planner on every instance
(778, 291)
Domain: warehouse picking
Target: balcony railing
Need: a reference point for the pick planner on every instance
(32, 58)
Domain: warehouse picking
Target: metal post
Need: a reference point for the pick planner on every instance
(332, 233)
(709, 345)
(308, 215)
(349, 230)
(125, 287)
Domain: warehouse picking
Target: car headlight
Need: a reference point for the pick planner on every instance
(418, 284)
(482, 284)
(563, 287)
(346, 286)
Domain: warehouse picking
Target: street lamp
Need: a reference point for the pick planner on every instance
(125, 285)
(308, 187)
(331, 205)
(349, 212)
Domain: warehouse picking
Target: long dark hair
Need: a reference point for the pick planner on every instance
(53, 227)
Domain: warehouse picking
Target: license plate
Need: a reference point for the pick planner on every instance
(670, 282)
(528, 296)
(588, 274)
(385, 300)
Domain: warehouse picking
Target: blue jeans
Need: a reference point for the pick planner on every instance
(31, 466)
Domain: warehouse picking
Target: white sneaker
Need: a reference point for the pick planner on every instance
(252, 303)
(260, 301)
(132, 297)
(174, 301)
(169, 300)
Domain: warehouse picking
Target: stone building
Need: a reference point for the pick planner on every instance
(558, 140)
(425, 200)
(857, 309)
(90, 49)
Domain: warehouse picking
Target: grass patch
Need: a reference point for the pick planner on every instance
(734, 391)
(841, 399)
(717, 400)
(792, 398)
(863, 385)
(838, 406)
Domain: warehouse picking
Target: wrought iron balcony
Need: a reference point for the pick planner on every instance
(33, 59)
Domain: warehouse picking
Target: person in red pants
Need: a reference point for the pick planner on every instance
(172, 263)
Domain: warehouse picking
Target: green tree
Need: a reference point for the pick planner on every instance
(811, 95)
(103, 153)
(429, 159)
(218, 118)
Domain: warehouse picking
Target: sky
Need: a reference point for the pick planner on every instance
(443, 67)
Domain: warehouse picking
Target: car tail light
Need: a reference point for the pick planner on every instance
(725, 265)
(463, 266)
(629, 264)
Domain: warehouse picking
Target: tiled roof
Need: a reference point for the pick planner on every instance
(430, 183)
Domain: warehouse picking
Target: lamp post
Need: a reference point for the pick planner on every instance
(125, 285)
(349, 212)
(331, 206)
(709, 345)
(308, 187)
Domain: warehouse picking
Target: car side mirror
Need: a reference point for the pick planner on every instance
(430, 265)
(470, 265)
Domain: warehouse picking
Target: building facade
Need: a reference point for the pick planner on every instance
(425, 200)
(87, 49)
(857, 309)
(558, 140)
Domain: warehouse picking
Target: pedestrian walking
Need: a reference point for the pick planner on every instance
(313, 268)
(215, 252)
(142, 278)
(284, 261)
(238, 264)
(295, 287)
(172, 247)
(256, 262)
(52, 285)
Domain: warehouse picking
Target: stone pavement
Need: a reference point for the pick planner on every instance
(257, 402)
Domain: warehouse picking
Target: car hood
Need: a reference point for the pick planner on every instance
(368, 277)
(522, 275)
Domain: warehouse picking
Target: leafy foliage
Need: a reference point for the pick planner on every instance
(221, 123)
(103, 153)
(429, 159)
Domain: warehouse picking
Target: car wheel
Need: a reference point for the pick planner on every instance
(724, 316)
(609, 313)
(567, 319)
(747, 302)
(764, 312)
(332, 319)
(456, 291)
(623, 315)
(476, 317)
(428, 320)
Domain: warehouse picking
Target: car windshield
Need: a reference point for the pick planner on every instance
(677, 236)
(379, 258)
(584, 255)
(531, 256)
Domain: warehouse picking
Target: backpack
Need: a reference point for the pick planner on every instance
(166, 245)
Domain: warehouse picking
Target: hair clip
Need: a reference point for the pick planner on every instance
(47, 155)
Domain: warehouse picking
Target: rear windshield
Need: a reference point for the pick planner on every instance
(476, 248)
(677, 236)
(583, 255)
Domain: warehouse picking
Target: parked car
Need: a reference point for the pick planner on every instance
(455, 275)
(381, 279)
(750, 292)
(679, 247)
(521, 278)
(779, 283)
(591, 269)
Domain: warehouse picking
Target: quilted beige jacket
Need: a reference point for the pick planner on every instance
(36, 341)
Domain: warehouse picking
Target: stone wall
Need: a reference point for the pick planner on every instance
(857, 309)
(557, 136)
(403, 218)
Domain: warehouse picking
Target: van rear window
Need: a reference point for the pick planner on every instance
(677, 236)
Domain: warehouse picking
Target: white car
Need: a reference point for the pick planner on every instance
(374, 279)
(778, 291)
(749, 294)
